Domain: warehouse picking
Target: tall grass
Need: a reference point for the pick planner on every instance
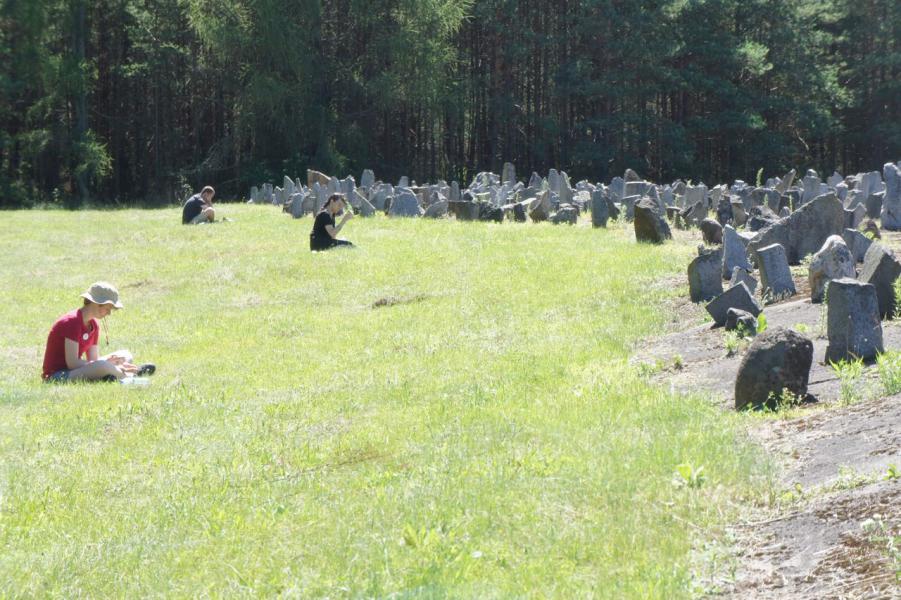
(446, 410)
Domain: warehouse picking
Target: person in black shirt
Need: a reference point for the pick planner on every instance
(325, 233)
(199, 208)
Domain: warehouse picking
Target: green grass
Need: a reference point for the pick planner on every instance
(482, 435)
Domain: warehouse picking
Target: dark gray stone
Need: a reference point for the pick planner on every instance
(852, 321)
(704, 278)
(600, 211)
(540, 207)
(744, 276)
(805, 231)
(437, 210)
(724, 210)
(857, 242)
(881, 269)
(890, 217)
(761, 217)
(833, 261)
(775, 276)
(855, 216)
(734, 253)
(739, 214)
(489, 212)
(711, 231)
(465, 210)
(778, 360)
(874, 205)
(737, 296)
(742, 321)
(567, 213)
(405, 204)
(650, 226)
(693, 214)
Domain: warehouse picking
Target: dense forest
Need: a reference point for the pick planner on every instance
(117, 101)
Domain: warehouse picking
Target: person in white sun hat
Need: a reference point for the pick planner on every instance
(72, 352)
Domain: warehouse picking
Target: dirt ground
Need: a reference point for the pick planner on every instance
(833, 457)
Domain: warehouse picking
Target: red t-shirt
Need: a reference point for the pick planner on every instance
(69, 326)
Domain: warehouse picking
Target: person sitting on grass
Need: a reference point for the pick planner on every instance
(72, 352)
(325, 233)
(199, 208)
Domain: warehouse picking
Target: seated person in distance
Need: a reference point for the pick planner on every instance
(72, 352)
(199, 208)
(325, 233)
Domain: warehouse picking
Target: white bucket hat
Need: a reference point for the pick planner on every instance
(102, 292)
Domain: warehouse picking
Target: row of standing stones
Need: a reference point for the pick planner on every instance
(757, 230)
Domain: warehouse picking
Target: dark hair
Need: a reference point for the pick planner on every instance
(332, 198)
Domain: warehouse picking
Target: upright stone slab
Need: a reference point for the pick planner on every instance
(508, 173)
(805, 230)
(314, 176)
(650, 225)
(705, 280)
(724, 214)
(857, 242)
(855, 216)
(738, 296)
(295, 205)
(833, 261)
(852, 321)
(739, 214)
(786, 182)
(881, 269)
(367, 180)
(540, 207)
(744, 276)
(734, 253)
(874, 205)
(891, 202)
(775, 276)
(599, 210)
(778, 359)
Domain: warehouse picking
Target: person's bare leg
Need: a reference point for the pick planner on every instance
(210, 214)
(95, 371)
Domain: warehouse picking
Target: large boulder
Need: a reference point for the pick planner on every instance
(881, 268)
(777, 361)
(704, 278)
(852, 321)
(437, 210)
(712, 232)
(805, 230)
(649, 224)
(405, 204)
(833, 261)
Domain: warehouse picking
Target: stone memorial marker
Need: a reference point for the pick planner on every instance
(881, 269)
(734, 252)
(650, 225)
(857, 242)
(599, 210)
(705, 280)
(833, 261)
(744, 276)
(738, 296)
(778, 359)
(805, 230)
(891, 201)
(775, 276)
(852, 321)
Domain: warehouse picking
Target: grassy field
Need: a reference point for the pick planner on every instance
(445, 411)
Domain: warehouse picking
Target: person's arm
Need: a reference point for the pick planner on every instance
(333, 231)
(73, 356)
